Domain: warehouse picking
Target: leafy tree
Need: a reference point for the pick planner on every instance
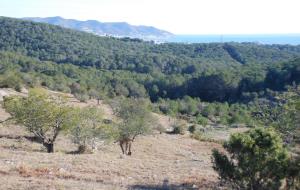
(44, 115)
(88, 127)
(283, 113)
(188, 106)
(11, 80)
(255, 160)
(136, 120)
(222, 109)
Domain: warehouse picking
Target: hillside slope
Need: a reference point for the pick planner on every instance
(43, 54)
(61, 45)
(158, 160)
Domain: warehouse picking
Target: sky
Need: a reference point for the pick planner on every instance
(176, 16)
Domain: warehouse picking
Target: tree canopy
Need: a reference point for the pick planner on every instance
(43, 115)
(256, 160)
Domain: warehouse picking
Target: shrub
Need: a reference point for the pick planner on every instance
(224, 120)
(81, 97)
(208, 110)
(236, 118)
(256, 160)
(202, 120)
(88, 128)
(179, 128)
(192, 128)
(11, 80)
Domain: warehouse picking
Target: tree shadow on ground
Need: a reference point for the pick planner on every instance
(199, 184)
(20, 138)
(161, 187)
(164, 186)
(15, 137)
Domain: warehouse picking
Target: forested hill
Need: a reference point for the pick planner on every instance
(63, 59)
(48, 42)
(118, 29)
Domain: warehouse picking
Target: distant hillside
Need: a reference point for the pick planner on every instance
(116, 29)
(134, 68)
(53, 43)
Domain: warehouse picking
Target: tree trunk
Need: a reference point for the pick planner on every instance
(49, 147)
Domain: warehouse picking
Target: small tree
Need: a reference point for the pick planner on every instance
(202, 120)
(179, 128)
(88, 127)
(81, 97)
(43, 115)
(257, 160)
(135, 120)
(11, 80)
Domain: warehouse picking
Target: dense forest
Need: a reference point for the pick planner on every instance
(228, 84)
(63, 59)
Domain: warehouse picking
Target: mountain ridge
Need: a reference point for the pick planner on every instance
(115, 29)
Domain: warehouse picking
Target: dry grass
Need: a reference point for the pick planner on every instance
(217, 135)
(178, 159)
(158, 161)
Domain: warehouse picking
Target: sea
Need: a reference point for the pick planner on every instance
(292, 39)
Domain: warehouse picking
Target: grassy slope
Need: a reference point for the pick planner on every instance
(156, 158)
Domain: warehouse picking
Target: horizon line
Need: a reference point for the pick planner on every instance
(174, 33)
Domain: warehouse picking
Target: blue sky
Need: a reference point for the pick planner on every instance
(177, 16)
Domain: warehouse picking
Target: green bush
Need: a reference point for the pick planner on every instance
(192, 128)
(255, 160)
(224, 120)
(236, 119)
(202, 120)
(208, 110)
(81, 97)
(11, 80)
(179, 128)
(88, 128)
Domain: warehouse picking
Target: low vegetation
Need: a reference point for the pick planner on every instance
(256, 159)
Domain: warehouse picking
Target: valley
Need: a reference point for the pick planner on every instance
(187, 116)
